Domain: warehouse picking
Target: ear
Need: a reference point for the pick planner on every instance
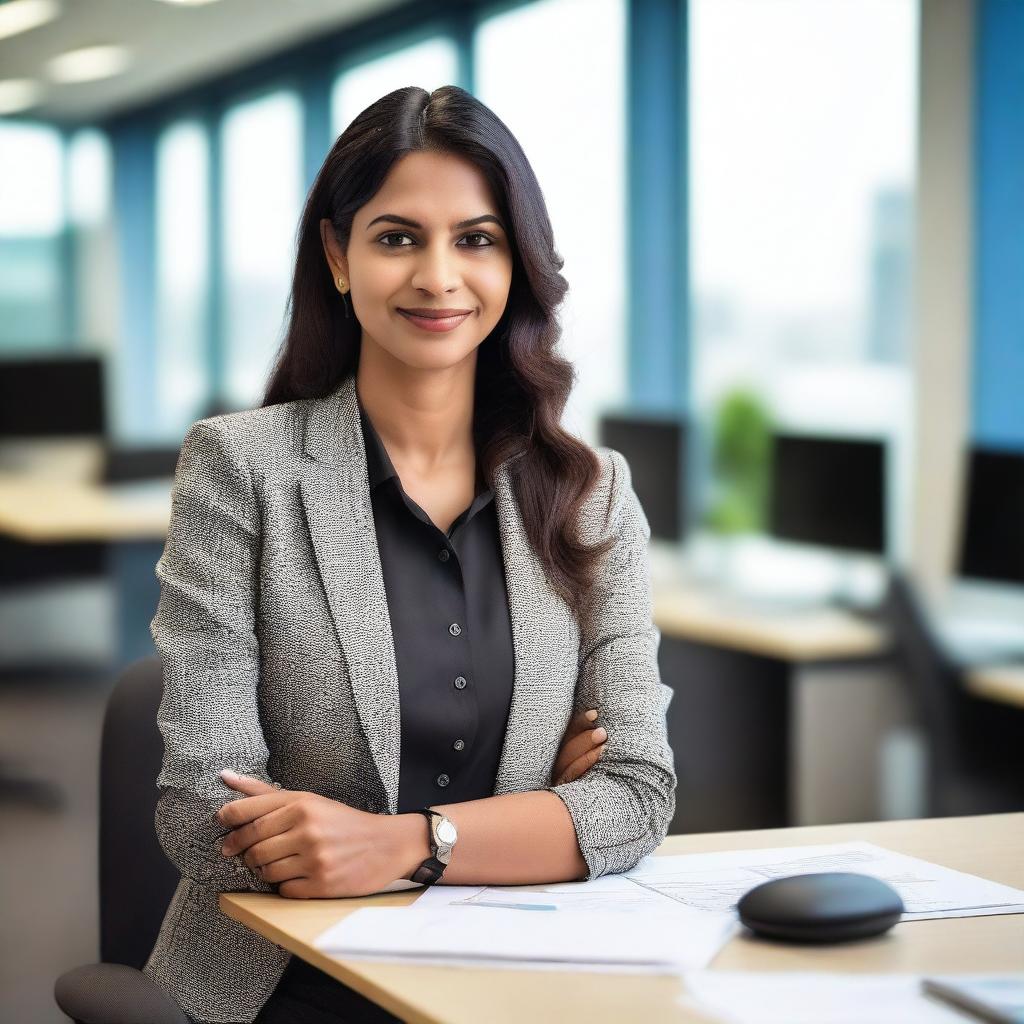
(332, 250)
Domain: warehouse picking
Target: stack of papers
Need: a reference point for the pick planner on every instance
(668, 914)
(481, 936)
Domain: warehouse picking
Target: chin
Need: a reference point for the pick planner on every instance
(433, 354)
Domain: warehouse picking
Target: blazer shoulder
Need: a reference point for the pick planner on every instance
(602, 507)
(258, 435)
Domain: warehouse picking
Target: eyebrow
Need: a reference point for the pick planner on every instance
(395, 219)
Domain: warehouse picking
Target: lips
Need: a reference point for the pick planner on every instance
(433, 314)
(435, 320)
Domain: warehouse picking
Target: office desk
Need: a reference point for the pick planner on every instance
(131, 521)
(775, 711)
(696, 613)
(991, 846)
(1002, 683)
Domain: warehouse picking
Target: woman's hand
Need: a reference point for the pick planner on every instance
(581, 747)
(310, 846)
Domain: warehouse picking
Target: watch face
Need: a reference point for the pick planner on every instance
(446, 831)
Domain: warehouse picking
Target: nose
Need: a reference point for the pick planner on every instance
(437, 269)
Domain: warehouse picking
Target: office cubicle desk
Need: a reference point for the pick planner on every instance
(755, 691)
(1003, 683)
(991, 846)
(131, 521)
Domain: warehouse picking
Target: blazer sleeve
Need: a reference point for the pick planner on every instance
(623, 806)
(204, 633)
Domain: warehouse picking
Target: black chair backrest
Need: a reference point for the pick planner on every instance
(138, 463)
(137, 880)
(935, 679)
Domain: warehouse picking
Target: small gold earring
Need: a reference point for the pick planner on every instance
(341, 285)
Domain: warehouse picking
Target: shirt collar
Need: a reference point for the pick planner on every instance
(379, 466)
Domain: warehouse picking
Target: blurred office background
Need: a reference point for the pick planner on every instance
(792, 233)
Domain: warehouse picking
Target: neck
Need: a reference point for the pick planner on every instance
(423, 416)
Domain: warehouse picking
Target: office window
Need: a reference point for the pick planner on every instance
(801, 196)
(262, 197)
(568, 112)
(93, 245)
(182, 277)
(32, 286)
(802, 170)
(89, 177)
(428, 64)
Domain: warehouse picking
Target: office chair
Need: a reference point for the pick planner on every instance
(123, 464)
(136, 880)
(975, 747)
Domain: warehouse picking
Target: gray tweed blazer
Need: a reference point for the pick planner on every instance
(279, 662)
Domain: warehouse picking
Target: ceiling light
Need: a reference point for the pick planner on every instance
(88, 64)
(21, 15)
(17, 94)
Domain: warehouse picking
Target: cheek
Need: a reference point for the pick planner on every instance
(493, 283)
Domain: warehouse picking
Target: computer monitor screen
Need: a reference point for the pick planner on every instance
(992, 544)
(51, 396)
(654, 446)
(829, 492)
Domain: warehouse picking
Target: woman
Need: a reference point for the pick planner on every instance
(400, 582)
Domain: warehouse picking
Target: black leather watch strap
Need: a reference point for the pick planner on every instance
(431, 869)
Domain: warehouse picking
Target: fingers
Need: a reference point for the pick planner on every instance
(577, 746)
(580, 723)
(581, 765)
(282, 869)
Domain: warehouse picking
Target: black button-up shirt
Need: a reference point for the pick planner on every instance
(453, 637)
(453, 648)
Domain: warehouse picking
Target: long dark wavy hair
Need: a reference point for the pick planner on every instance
(522, 384)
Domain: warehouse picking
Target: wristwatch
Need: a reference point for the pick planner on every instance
(442, 839)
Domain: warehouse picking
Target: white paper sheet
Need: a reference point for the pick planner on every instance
(716, 881)
(783, 997)
(478, 935)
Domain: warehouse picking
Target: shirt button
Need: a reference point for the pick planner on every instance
(455, 629)
(459, 744)
(443, 554)
(460, 682)
(443, 780)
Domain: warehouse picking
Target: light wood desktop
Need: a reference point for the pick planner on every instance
(1002, 683)
(991, 846)
(131, 520)
(44, 510)
(694, 612)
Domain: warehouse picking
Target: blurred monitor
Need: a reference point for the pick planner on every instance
(653, 444)
(829, 492)
(992, 545)
(52, 396)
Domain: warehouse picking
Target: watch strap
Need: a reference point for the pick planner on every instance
(431, 870)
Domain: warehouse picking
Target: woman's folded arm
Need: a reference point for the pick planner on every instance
(204, 633)
(623, 806)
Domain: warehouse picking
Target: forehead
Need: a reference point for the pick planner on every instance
(432, 186)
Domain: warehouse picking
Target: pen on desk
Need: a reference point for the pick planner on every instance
(512, 906)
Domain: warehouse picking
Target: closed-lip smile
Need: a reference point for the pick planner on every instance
(433, 314)
(435, 321)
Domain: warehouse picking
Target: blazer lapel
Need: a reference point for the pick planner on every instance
(339, 514)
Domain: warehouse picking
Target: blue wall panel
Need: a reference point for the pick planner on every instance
(998, 364)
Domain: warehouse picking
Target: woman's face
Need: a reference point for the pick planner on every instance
(408, 252)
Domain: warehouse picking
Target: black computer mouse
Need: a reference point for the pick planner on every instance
(831, 906)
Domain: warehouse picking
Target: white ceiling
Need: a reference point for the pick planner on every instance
(174, 46)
